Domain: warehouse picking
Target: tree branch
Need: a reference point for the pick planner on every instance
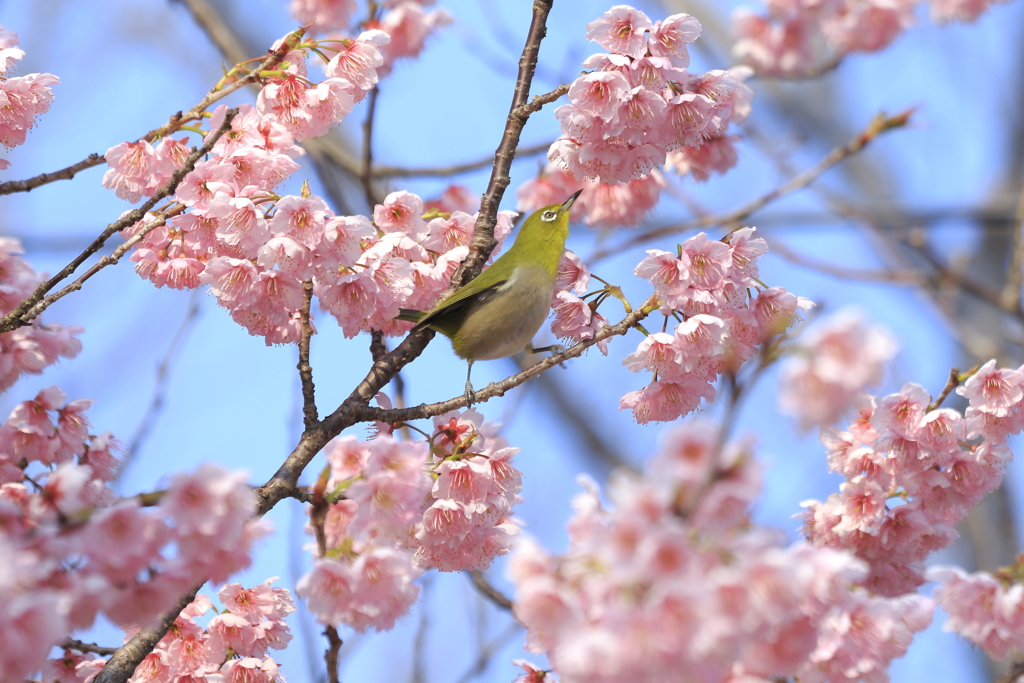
(946, 275)
(483, 243)
(122, 664)
(881, 123)
(12, 186)
(163, 372)
(217, 30)
(73, 644)
(1010, 298)
(424, 410)
(455, 169)
(38, 301)
(365, 172)
(489, 591)
(309, 414)
(952, 383)
(896, 277)
(317, 518)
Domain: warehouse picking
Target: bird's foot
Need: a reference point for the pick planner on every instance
(553, 348)
(470, 395)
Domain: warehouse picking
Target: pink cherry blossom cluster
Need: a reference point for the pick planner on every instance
(405, 21)
(467, 520)
(444, 503)
(365, 578)
(255, 249)
(830, 366)
(70, 549)
(257, 153)
(22, 98)
(986, 609)
(575, 320)
(707, 285)
(231, 648)
(602, 205)
(641, 103)
(913, 473)
(676, 577)
(32, 348)
(805, 37)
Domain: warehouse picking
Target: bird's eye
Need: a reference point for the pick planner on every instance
(548, 216)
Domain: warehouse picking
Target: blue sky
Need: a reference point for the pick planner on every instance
(125, 66)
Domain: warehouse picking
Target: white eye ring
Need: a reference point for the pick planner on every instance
(548, 216)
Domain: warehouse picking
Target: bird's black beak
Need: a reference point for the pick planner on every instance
(569, 202)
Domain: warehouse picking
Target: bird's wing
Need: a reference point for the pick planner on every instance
(460, 300)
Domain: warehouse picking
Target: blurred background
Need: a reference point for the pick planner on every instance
(181, 384)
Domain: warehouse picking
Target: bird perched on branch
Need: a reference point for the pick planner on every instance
(496, 314)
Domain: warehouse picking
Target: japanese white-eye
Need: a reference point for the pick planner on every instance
(496, 314)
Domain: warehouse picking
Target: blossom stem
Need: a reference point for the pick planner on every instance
(952, 383)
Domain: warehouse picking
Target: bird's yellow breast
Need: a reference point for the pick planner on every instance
(505, 323)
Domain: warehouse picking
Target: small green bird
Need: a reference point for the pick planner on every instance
(496, 314)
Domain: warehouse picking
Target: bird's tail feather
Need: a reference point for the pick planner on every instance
(410, 315)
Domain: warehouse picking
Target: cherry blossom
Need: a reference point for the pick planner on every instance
(621, 30)
(805, 37)
(444, 503)
(726, 313)
(32, 348)
(932, 461)
(639, 104)
(981, 608)
(72, 551)
(22, 98)
(836, 360)
(323, 15)
(673, 576)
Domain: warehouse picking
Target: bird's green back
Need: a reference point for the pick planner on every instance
(539, 243)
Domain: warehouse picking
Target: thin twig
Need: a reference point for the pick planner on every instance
(273, 58)
(368, 413)
(318, 517)
(891, 276)
(12, 186)
(309, 415)
(946, 275)
(881, 123)
(419, 646)
(489, 591)
(952, 383)
(539, 101)
(488, 650)
(1014, 673)
(1015, 273)
(163, 373)
(217, 30)
(39, 300)
(455, 169)
(73, 644)
(365, 174)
